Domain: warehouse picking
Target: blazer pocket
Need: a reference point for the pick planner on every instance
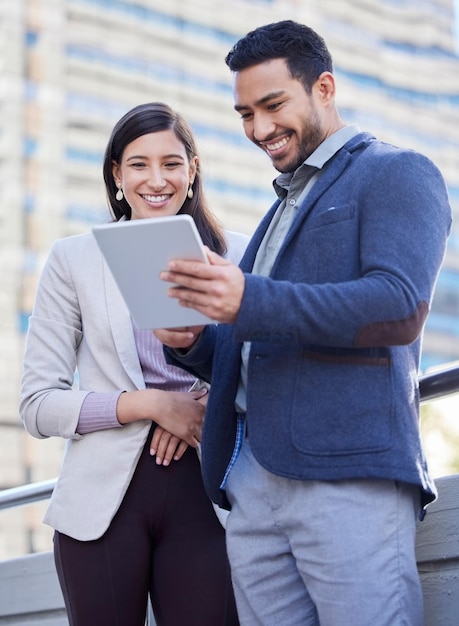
(342, 404)
(331, 215)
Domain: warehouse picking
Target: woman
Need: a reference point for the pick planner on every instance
(130, 514)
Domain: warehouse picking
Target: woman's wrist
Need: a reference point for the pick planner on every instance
(137, 405)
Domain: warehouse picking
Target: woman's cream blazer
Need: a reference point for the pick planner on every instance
(80, 324)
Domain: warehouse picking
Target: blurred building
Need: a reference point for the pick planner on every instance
(70, 68)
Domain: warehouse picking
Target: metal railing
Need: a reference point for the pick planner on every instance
(438, 384)
(431, 386)
(26, 494)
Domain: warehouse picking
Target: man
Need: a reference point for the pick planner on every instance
(311, 434)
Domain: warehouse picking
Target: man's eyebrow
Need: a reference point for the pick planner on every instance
(270, 96)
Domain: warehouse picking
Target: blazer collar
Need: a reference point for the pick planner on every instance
(337, 165)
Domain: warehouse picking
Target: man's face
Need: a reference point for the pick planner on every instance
(277, 113)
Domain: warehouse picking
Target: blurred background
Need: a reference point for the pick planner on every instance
(69, 69)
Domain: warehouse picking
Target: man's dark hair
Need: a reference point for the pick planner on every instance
(304, 51)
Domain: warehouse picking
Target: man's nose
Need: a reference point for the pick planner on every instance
(263, 127)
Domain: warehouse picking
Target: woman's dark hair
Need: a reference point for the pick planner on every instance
(304, 51)
(152, 118)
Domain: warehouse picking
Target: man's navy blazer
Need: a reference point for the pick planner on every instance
(335, 329)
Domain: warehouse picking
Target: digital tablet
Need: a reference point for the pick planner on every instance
(136, 251)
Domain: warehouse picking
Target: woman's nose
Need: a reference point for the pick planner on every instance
(156, 179)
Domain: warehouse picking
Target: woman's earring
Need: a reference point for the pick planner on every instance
(190, 191)
(119, 194)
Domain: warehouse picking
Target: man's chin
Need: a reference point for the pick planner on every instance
(285, 167)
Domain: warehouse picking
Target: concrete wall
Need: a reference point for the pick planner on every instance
(437, 554)
(30, 593)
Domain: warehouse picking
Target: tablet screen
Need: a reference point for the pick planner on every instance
(136, 251)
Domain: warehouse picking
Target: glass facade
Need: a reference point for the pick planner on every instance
(70, 68)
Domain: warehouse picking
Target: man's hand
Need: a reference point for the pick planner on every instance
(178, 337)
(214, 289)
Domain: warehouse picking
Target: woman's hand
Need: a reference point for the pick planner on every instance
(166, 446)
(177, 412)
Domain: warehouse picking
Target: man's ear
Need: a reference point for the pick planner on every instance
(325, 86)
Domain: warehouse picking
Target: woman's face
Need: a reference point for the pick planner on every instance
(155, 174)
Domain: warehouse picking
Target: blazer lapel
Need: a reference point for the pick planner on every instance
(331, 173)
(121, 327)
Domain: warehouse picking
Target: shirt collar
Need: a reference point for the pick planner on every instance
(321, 155)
